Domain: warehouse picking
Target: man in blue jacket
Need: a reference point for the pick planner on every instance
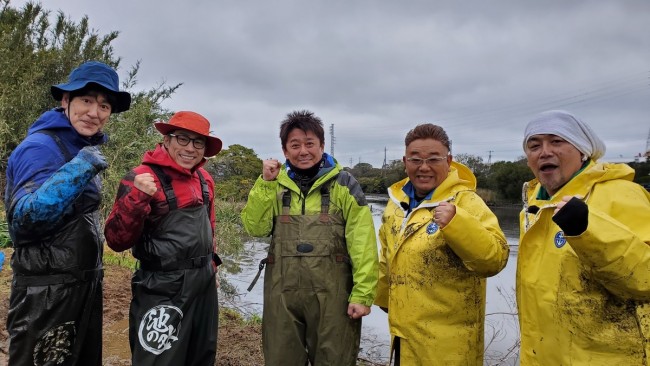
(52, 200)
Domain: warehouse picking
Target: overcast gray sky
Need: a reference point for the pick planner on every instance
(375, 69)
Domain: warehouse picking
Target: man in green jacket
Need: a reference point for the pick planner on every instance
(322, 267)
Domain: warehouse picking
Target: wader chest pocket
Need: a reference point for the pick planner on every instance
(304, 248)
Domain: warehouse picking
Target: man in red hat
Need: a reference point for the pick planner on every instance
(164, 210)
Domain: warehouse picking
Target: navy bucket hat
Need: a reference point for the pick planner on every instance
(98, 73)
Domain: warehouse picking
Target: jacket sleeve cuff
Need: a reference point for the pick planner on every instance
(360, 300)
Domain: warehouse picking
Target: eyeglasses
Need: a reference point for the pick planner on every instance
(429, 161)
(184, 141)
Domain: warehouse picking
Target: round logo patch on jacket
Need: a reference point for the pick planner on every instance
(432, 228)
(559, 240)
(159, 328)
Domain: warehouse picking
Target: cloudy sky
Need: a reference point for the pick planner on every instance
(375, 69)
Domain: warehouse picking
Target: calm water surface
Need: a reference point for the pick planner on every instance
(501, 328)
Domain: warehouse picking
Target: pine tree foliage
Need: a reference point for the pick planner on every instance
(38, 49)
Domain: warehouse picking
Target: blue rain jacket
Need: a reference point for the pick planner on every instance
(41, 185)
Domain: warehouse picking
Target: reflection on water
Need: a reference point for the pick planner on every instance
(501, 327)
(509, 221)
(501, 323)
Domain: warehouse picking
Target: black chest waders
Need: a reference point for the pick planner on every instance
(55, 307)
(173, 318)
(307, 283)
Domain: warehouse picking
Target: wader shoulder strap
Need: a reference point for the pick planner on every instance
(325, 198)
(166, 183)
(325, 201)
(64, 150)
(324, 205)
(205, 190)
(286, 206)
(284, 218)
(206, 202)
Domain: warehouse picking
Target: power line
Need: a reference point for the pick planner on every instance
(504, 115)
(567, 98)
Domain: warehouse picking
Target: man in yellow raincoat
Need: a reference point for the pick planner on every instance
(439, 241)
(583, 275)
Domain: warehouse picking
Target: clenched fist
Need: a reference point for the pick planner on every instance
(145, 183)
(444, 213)
(270, 169)
(94, 156)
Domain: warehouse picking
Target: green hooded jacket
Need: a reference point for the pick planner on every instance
(265, 203)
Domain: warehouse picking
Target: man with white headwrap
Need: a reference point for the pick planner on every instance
(583, 271)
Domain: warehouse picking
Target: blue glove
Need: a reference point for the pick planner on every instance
(92, 155)
(2, 259)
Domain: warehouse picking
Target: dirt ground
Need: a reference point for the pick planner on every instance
(239, 344)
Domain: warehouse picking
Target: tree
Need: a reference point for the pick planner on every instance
(235, 170)
(641, 172)
(236, 160)
(372, 184)
(394, 172)
(35, 54)
(374, 180)
(507, 179)
(362, 169)
(476, 165)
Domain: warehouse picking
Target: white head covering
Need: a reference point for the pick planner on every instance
(568, 127)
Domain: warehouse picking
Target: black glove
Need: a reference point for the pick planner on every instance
(573, 217)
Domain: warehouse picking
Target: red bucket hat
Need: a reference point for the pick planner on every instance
(193, 122)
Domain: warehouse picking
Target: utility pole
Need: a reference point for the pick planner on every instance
(490, 157)
(385, 165)
(332, 139)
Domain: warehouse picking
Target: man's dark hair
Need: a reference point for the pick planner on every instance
(428, 131)
(93, 89)
(303, 120)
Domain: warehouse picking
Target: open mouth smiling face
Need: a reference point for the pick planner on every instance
(552, 160)
(548, 167)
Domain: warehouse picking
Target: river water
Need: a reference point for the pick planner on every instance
(501, 327)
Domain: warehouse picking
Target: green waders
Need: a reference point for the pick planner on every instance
(307, 283)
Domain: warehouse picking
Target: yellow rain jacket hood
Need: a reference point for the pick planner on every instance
(432, 280)
(584, 300)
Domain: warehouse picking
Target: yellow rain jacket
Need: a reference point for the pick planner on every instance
(585, 300)
(432, 280)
